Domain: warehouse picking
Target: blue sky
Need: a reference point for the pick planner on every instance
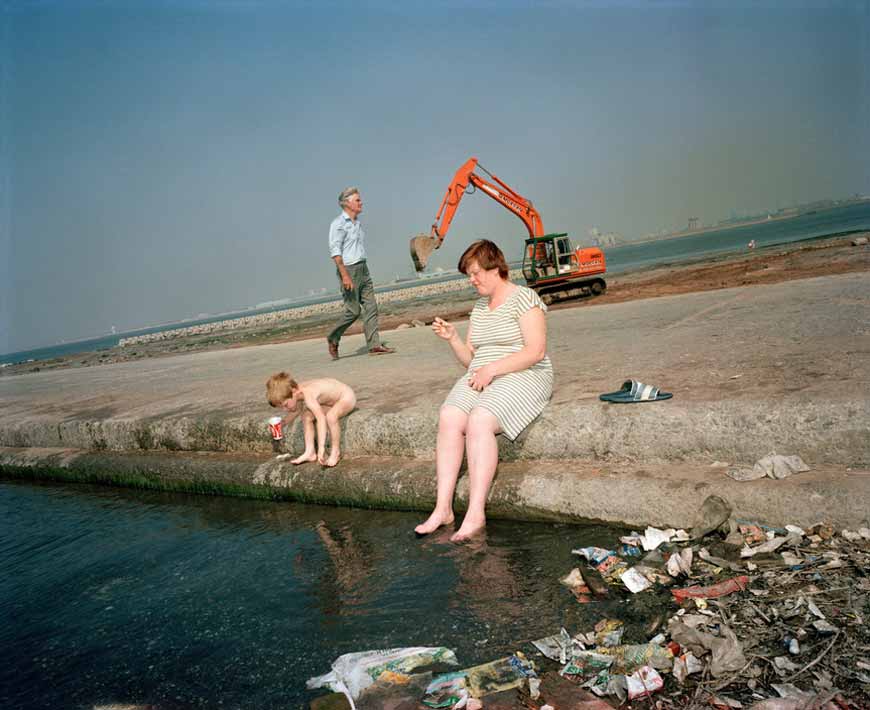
(165, 159)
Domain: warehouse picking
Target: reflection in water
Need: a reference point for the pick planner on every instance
(178, 601)
(489, 581)
(350, 583)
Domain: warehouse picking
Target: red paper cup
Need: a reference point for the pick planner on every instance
(275, 428)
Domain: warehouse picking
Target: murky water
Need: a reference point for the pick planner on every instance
(115, 596)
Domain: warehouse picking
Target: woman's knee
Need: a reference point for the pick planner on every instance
(482, 422)
(452, 419)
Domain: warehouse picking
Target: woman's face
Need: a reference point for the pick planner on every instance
(484, 280)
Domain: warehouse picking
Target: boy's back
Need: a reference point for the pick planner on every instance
(325, 390)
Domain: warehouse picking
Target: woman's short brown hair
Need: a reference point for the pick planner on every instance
(487, 255)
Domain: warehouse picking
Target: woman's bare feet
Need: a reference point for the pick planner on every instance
(305, 457)
(334, 458)
(433, 522)
(469, 528)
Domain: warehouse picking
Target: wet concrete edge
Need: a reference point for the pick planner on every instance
(566, 491)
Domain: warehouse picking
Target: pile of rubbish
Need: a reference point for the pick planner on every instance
(750, 617)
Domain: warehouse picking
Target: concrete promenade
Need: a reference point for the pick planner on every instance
(781, 368)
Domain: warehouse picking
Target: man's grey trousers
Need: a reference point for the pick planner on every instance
(360, 300)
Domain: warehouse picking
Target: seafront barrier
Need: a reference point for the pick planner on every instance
(299, 312)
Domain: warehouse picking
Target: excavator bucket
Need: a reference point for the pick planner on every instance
(422, 247)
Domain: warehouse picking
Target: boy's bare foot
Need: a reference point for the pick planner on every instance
(433, 522)
(469, 529)
(333, 459)
(304, 458)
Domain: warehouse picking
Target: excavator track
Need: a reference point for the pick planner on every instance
(570, 290)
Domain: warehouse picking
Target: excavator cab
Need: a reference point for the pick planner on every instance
(556, 270)
(544, 257)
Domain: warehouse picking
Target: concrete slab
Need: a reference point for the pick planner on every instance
(756, 369)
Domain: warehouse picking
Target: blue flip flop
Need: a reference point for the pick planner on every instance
(634, 391)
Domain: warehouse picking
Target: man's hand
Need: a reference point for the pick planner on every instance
(346, 281)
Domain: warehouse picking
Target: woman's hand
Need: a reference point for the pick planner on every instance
(443, 329)
(481, 378)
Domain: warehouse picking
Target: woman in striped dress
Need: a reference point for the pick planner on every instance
(508, 383)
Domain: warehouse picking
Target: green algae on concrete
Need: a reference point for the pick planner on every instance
(554, 491)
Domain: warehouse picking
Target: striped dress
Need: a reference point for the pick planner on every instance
(518, 397)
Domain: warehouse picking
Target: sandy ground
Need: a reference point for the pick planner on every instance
(789, 262)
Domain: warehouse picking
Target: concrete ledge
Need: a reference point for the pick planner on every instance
(568, 491)
(737, 431)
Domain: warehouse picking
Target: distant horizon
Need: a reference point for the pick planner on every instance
(448, 272)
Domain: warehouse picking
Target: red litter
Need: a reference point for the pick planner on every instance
(728, 586)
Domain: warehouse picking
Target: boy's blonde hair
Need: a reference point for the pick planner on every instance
(279, 387)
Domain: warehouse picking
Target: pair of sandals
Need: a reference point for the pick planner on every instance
(633, 391)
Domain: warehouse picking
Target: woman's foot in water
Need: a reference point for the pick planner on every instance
(433, 522)
(470, 527)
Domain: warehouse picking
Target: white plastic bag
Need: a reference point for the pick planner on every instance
(354, 672)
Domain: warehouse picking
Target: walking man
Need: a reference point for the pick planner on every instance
(347, 249)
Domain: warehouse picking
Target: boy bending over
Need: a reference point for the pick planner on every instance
(322, 402)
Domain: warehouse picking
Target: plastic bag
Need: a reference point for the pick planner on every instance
(727, 653)
(353, 672)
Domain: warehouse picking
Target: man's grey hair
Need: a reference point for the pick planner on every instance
(345, 194)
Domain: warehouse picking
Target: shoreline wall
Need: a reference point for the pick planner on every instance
(300, 312)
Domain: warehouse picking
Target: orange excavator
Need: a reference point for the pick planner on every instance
(551, 265)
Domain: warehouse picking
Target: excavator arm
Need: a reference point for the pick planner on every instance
(423, 245)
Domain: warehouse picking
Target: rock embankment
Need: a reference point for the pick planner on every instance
(299, 312)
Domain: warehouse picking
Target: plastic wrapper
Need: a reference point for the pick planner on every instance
(685, 665)
(478, 681)
(595, 555)
(655, 575)
(644, 681)
(606, 683)
(558, 647)
(628, 658)
(586, 663)
(634, 581)
(446, 690)
(575, 582)
(680, 562)
(653, 537)
(612, 568)
(627, 550)
(608, 632)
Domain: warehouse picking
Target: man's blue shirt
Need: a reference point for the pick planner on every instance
(347, 239)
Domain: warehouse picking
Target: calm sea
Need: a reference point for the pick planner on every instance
(110, 596)
(809, 226)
